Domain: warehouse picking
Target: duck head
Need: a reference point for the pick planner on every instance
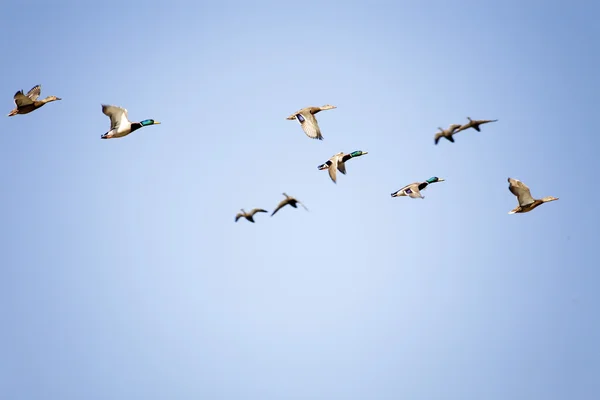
(435, 179)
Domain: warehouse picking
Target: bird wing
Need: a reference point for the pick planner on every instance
(302, 204)
(413, 192)
(281, 204)
(520, 190)
(238, 216)
(333, 170)
(309, 124)
(334, 165)
(342, 167)
(34, 93)
(465, 126)
(255, 210)
(437, 137)
(21, 100)
(117, 115)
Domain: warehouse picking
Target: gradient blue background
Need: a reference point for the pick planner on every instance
(124, 276)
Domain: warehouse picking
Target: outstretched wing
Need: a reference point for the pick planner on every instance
(117, 115)
(34, 93)
(437, 137)
(21, 100)
(255, 210)
(238, 216)
(520, 190)
(309, 124)
(302, 204)
(281, 204)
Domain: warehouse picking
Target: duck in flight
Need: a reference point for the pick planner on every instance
(306, 118)
(413, 190)
(248, 215)
(119, 122)
(446, 133)
(475, 123)
(523, 194)
(338, 163)
(288, 200)
(26, 103)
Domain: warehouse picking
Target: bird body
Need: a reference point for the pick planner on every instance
(306, 118)
(338, 163)
(248, 215)
(26, 103)
(413, 190)
(119, 122)
(475, 123)
(288, 200)
(446, 133)
(523, 194)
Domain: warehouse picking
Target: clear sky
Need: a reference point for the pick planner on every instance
(124, 276)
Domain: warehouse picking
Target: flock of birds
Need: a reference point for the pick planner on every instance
(121, 126)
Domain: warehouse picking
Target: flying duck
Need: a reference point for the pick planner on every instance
(526, 201)
(414, 189)
(338, 162)
(288, 200)
(26, 103)
(119, 123)
(306, 118)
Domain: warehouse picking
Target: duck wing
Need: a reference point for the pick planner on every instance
(34, 92)
(281, 204)
(309, 124)
(117, 115)
(520, 190)
(255, 210)
(21, 100)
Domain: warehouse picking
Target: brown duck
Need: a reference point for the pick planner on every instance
(526, 201)
(26, 103)
(288, 200)
(248, 215)
(446, 133)
(474, 123)
(306, 118)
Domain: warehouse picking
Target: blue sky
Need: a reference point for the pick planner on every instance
(124, 275)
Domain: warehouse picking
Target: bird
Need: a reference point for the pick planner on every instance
(338, 162)
(526, 201)
(475, 124)
(446, 133)
(306, 118)
(413, 190)
(288, 200)
(249, 215)
(119, 123)
(26, 103)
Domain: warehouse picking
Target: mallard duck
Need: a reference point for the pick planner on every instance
(306, 118)
(446, 133)
(413, 190)
(475, 124)
(526, 201)
(26, 103)
(119, 123)
(288, 200)
(249, 215)
(338, 162)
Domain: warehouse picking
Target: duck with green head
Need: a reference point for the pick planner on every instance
(119, 122)
(414, 189)
(338, 163)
